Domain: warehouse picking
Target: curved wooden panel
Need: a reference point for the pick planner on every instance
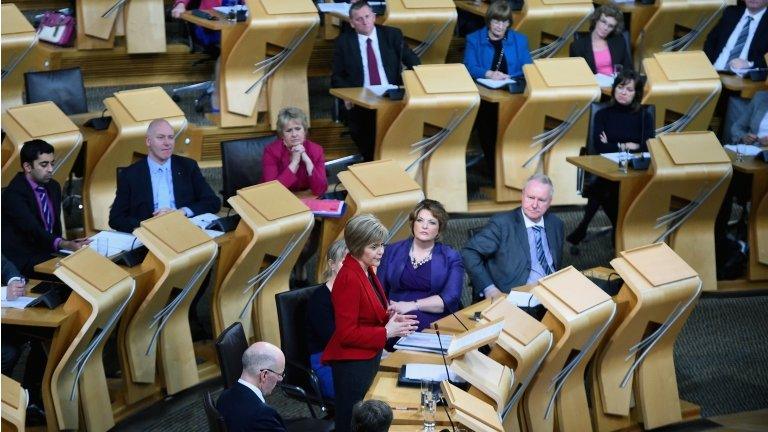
(550, 24)
(145, 26)
(96, 23)
(14, 405)
(429, 27)
(17, 43)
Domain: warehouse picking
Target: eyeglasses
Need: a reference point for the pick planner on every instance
(281, 375)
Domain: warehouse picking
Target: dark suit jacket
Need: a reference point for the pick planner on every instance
(499, 253)
(25, 240)
(348, 61)
(718, 36)
(582, 47)
(134, 201)
(9, 270)
(243, 411)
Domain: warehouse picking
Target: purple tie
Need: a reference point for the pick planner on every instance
(373, 67)
(47, 215)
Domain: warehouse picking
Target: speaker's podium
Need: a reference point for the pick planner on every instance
(142, 23)
(659, 292)
(43, 120)
(429, 137)
(678, 25)
(278, 37)
(690, 175)
(578, 314)
(551, 125)
(274, 223)
(17, 42)
(132, 111)
(381, 188)
(182, 254)
(684, 87)
(428, 25)
(100, 292)
(550, 24)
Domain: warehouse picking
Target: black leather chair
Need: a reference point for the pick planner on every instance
(230, 346)
(64, 87)
(241, 163)
(215, 420)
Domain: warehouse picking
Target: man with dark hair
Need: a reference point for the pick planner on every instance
(371, 416)
(369, 55)
(160, 183)
(31, 223)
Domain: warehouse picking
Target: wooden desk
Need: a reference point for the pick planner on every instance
(405, 401)
(757, 269)
(744, 86)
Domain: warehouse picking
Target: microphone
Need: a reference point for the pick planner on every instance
(447, 374)
(445, 305)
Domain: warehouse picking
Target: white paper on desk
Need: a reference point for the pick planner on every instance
(424, 342)
(203, 220)
(19, 303)
(430, 372)
(746, 149)
(379, 90)
(339, 8)
(614, 157)
(522, 299)
(605, 80)
(473, 336)
(495, 84)
(117, 242)
(213, 233)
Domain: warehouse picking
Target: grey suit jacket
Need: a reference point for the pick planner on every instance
(749, 121)
(499, 254)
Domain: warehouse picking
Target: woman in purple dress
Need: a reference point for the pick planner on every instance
(421, 276)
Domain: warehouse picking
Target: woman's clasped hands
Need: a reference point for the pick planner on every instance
(400, 325)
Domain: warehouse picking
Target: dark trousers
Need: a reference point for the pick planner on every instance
(351, 380)
(14, 339)
(486, 125)
(362, 129)
(602, 193)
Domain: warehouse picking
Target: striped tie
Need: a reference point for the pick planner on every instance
(47, 214)
(741, 40)
(540, 255)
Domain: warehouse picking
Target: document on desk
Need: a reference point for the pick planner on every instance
(342, 8)
(474, 336)
(424, 342)
(522, 299)
(745, 149)
(430, 372)
(614, 157)
(19, 303)
(379, 90)
(205, 219)
(605, 80)
(117, 243)
(495, 84)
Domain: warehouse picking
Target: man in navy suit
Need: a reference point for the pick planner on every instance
(242, 405)
(354, 57)
(517, 247)
(740, 38)
(160, 183)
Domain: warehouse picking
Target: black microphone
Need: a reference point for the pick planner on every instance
(447, 374)
(445, 305)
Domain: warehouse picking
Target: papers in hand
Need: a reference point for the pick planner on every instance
(522, 299)
(19, 303)
(424, 342)
(605, 80)
(205, 219)
(429, 372)
(745, 149)
(495, 84)
(614, 157)
(379, 90)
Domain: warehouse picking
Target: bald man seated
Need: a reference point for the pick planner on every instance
(243, 405)
(160, 183)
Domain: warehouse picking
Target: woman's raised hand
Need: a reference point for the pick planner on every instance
(401, 325)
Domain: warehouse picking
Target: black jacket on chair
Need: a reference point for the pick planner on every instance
(25, 239)
(348, 60)
(718, 36)
(134, 201)
(243, 411)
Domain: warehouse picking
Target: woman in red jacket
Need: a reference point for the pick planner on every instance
(363, 321)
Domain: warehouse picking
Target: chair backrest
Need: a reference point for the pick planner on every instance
(215, 420)
(230, 346)
(64, 87)
(596, 107)
(334, 167)
(241, 163)
(292, 321)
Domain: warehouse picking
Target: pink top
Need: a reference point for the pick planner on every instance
(603, 62)
(275, 167)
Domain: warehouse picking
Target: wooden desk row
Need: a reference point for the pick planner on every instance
(533, 377)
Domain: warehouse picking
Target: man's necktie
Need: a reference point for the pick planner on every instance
(163, 193)
(373, 66)
(47, 213)
(741, 40)
(540, 255)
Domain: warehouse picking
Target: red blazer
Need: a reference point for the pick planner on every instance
(360, 316)
(275, 167)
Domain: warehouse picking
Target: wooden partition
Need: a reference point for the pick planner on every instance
(17, 43)
(182, 255)
(429, 137)
(381, 188)
(43, 120)
(551, 125)
(273, 229)
(132, 111)
(469, 411)
(427, 24)
(100, 292)
(678, 25)
(550, 24)
(142, 22)
(578, 314)
(659, 293)
(278, 37)
(684, 87)
(14, 405)
(690, 174)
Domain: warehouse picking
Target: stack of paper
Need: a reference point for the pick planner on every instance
(495, 84)
(424, 342)
(117, 243)
(205, 219)
(745, 149)
(19, 303)
(614, 157)
(325, 207)
(429, 372)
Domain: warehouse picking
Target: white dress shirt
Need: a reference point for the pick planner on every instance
(722, 60)
(363, 41)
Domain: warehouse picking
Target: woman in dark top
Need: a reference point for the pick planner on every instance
(624, 124)
(421, 276)
(604, 46)
(320, 324)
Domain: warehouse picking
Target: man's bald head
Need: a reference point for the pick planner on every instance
(263, 366)
(160, 140)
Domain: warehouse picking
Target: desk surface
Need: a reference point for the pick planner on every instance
(405, 401)
(217, 24)
(603, 167)
(746, 87)
(37, 316)
(749, 165)
(363, 97)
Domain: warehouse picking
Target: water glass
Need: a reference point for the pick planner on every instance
(426, 392)
(429, 412)
(739, 153)
(623, 159)
(102, 246)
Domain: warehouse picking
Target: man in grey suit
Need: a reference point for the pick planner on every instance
(516, 247)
